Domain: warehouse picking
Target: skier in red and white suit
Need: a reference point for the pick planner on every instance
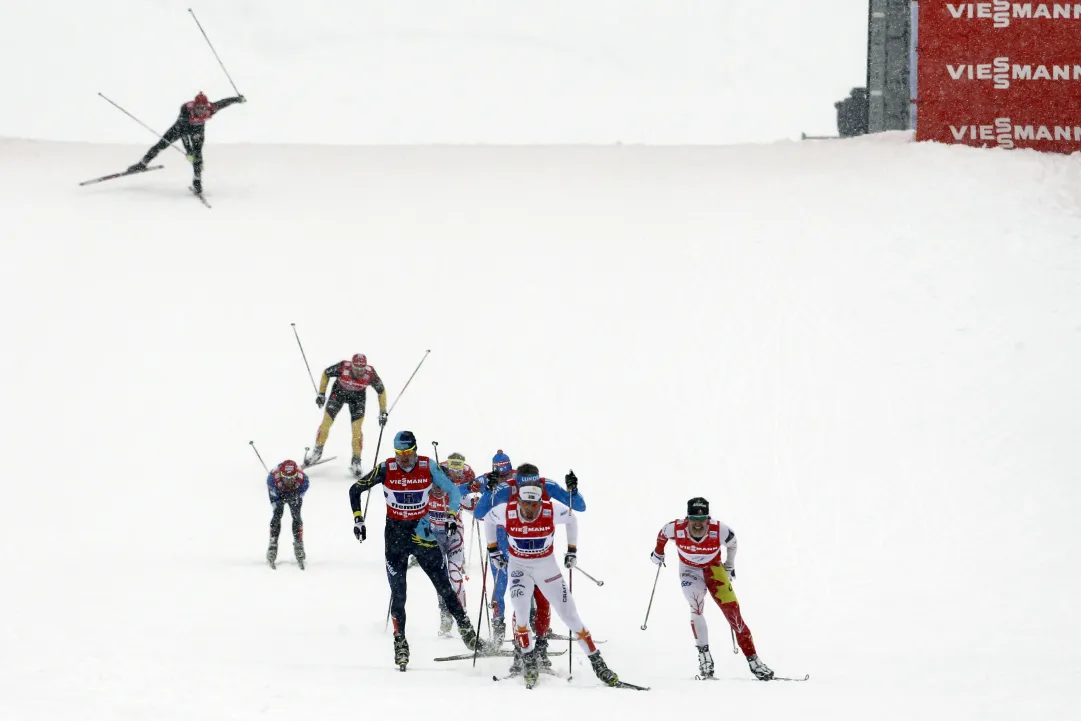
(698, 541)
(530, 519)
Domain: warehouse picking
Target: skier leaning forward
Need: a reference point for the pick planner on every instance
(698, 541)
(407, 481)
(530, 519)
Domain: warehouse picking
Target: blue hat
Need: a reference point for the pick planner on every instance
(405, 441)
(501, 462)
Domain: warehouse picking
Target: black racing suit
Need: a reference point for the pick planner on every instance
(191, 135)
(405, 538)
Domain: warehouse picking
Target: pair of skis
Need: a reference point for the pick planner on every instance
(113, 176)
(531, 683)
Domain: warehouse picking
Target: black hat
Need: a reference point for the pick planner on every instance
(698, 508)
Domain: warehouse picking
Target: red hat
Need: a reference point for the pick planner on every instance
(288, 468)
(202, 99)
(360, 360)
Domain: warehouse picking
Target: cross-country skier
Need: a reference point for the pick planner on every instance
(352, 378)
(407, 481)
(463, 476)
(286, 485)
(502, 493)
(189, 129)
(453, 548)
(698, 541)
(529, 519)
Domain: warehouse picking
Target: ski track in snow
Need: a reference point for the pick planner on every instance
(879, 395)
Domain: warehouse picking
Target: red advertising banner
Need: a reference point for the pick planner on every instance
(999, 74)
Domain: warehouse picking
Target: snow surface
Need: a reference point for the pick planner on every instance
(881, 398)
(431, 71)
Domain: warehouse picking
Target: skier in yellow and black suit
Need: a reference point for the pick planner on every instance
(352, 378)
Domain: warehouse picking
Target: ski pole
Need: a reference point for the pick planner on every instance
(213, 50)
(391, 410)
(140, 122)
(374, 469)
(651, 596)
(435, 448)
(599, 583)
(252, 444)
(480, 613)
(571, 633)
(305, 357)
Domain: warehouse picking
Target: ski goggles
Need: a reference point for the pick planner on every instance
(456, 465)
(403, 451)
(698, 518)
(530, 494)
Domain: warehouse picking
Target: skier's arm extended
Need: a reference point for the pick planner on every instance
(332, 372)
(376, 476)
(225, 102)
(440, 479)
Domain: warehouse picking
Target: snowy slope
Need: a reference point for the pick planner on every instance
(427, 71)
(885, 413)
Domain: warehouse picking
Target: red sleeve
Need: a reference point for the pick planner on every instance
(662, 540)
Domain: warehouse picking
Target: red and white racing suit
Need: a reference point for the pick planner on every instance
(532, 565)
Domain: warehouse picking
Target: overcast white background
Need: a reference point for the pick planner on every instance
(426, 71)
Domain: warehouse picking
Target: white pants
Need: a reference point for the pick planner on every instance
(700, 585)
(545, 574)
(454, 549)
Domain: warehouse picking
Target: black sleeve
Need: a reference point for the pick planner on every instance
(224, 103)
(333, 371)
(374, 478)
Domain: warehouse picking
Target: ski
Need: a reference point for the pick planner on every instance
(121, 175)
(320, 461)
(199, 196)
(498, 654)
(512, 674)
(624, 684)
(775, 678)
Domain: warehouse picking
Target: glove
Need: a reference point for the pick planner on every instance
(731, 570)
(359, 530)
(499, 561)
(572, 481)
(452, 526)
(657, 558)
(320, 399)
(382, 418)
(492, 482)
(570, 559)
(242, 99)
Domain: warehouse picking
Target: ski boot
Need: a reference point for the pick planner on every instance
(760, 670)
(541, 652)
(705, 662)
(469, 637)
(446, 621)
(141, 165)
(517, 664)
(499, 631)
(401, 651)
(600, 668)
(272, 552)
(197, 186)
(529, 664)
(298, 551)
(313, 456)
(354, 466)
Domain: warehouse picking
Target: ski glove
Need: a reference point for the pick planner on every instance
(570, 560)
(359, 530)
(382, 418)
(452, 526)
(320, 399)
(657, 558)
(492, 482)
(731, 570)
(499, 561)
(242, 99)
(572, 482)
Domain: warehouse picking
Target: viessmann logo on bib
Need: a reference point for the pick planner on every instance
(1002, 12)
(1003, 73)
(1006, 134)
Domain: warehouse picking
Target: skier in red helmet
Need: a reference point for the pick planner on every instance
(188, 129)
(352, 378)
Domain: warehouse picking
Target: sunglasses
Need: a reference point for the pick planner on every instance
(697, 518)
(402, 452)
